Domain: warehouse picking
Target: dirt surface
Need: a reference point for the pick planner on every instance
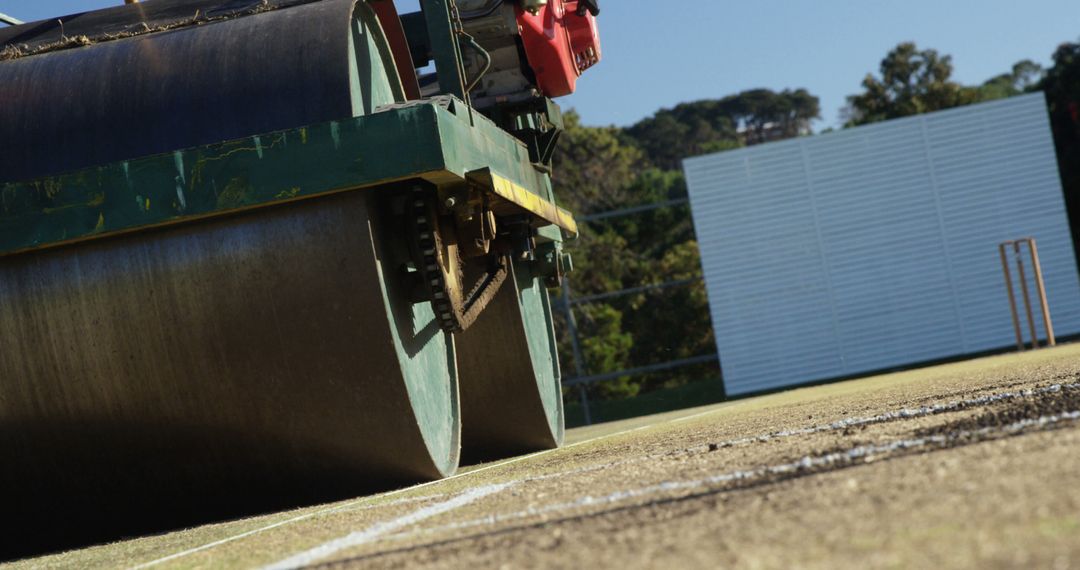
(972, 464)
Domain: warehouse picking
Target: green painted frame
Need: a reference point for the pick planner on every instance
(420, 140)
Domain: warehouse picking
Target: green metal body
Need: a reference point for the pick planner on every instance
(445, 48)
(422, 140)
(441, 141)
(265, 306)
(509, 372)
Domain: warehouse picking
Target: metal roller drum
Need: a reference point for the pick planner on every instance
(511, 399)
(228, 366)
(218, 368)
(183, 73)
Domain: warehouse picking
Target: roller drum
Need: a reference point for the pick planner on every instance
(248, 67)
(510, 379)
(214, 369)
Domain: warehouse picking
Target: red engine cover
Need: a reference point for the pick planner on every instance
(559, 44)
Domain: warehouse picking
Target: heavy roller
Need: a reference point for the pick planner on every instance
(261, 253)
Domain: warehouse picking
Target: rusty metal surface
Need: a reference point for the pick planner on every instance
(214, 369)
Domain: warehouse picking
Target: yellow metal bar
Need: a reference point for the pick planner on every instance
(526, 200)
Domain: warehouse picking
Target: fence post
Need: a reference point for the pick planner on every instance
(575, 343)
(585, 404)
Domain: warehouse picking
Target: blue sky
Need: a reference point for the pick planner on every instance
(660, 53)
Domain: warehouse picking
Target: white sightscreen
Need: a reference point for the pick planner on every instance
(876, 247)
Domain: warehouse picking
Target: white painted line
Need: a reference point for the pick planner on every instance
(359, 503)
(210, 545)
(807, 462)
(903, 413)
(698, 415)
(378, 530)
(351, 505)
(840, 424)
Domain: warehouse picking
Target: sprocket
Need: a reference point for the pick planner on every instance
(442, 269)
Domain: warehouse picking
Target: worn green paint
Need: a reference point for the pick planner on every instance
(426, 355)
(543, 350)
(445, 47)
(423, 140)
(492, 147)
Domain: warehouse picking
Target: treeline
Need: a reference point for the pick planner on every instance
(608, 169)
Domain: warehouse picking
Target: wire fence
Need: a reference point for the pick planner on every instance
(566, 302)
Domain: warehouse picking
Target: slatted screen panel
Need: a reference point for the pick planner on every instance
(876, 247)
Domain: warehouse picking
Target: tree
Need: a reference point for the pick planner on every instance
(912, 81)
(593, 166)
(601, 169)
(1024, 76)
(607, 348)
(1062, 87)
(711, 125)
(594, 172)
(672, 323)
(687, 130)
(764, 115)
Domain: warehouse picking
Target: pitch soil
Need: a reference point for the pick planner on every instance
(972, 464)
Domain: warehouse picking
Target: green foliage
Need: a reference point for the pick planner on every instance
(766, 116)
(606, 347)
(712, 125)
(603, 261)
(604, 169)
(1024, 76)
(672, 323)
(917, 81)
(1062, 87)
(912, 81)
(594, 166)
(671, 135)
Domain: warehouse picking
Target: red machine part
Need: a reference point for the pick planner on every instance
(399, 46)
(560, 44)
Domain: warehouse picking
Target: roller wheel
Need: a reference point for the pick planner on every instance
(509, 369)
(215, 369)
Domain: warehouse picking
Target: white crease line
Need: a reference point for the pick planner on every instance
(840, 424)
(903, 413)
(223, 541)
(377, 530)
(806, 462)
(351, 505)
(356, 504)
(698, 415)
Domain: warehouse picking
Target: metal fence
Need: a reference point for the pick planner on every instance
(567, 301)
